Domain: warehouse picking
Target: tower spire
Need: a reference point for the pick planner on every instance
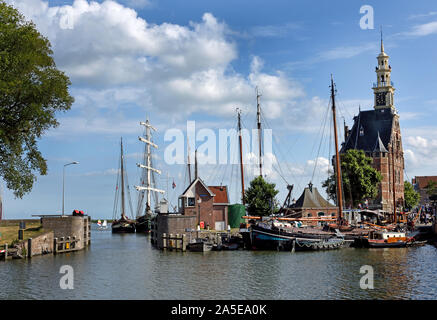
(382, 43)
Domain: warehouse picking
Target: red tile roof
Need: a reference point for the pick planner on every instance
(221, 194)
(423, 181)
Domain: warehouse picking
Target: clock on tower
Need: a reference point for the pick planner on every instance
(380, 98)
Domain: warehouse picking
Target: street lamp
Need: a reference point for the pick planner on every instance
(199, 201)
(63, 183)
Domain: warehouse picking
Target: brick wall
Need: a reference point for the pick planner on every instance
(41, 244)
(67, 226)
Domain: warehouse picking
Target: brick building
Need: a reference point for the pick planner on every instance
(377, 132)
(420, 183)
(208, 203)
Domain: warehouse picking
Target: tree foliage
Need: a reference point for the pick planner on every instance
(412, 197)
(260, 196)
(431, 190)
(32, 90)
(360, 179)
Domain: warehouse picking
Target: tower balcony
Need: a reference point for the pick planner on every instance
(383, 84)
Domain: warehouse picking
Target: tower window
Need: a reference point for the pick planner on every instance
(361, 131)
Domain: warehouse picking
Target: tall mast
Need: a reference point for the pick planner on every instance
(122, 179)
(148, 166)
(188, 161)
(337, 156)
(241, 155)
(258, 119)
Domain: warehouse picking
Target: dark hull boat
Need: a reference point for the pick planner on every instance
(123, 226)
(200, 246)
(265, 237)
(143, 224)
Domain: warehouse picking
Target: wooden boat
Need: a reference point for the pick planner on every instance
(387, 239)
(122, 225)
(200, 245)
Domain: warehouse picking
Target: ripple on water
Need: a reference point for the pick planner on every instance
(127, 267)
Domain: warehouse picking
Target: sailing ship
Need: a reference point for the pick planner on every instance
(146, 188)
(268, 235)
(124, 224)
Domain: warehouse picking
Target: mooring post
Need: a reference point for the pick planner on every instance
(6, 251)
(171, 241)
(55, 245)
(293, 246)
(164, 241)
(177, 241)
(29, 248)
(184, 242)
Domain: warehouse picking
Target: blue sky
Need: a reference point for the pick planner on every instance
(175, 61)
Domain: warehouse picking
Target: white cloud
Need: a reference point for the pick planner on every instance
(115, 58)
(423, 29)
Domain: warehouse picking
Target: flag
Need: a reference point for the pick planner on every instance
(173, 185)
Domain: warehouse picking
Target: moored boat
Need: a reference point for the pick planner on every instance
(387, 239)
(200, 245)
(124, 224)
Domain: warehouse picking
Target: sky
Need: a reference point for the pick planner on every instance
(177, 61)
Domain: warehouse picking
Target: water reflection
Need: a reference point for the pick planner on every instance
(125, 266)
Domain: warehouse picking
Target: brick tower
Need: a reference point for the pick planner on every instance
(378, 134)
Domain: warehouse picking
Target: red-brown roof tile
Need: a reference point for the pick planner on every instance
(221, 194)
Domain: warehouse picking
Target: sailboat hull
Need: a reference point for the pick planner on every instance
(123, 227)
(143, 224)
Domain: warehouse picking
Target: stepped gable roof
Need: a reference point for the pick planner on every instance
(367, 126)
(379, 146)
(221, 194)
(312, 199)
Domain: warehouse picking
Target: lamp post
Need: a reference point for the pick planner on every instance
(63, 183)
(199, 201)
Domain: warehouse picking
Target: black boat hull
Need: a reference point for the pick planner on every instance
(123, 227)
(143, 224)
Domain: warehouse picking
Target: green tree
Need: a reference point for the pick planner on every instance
(431, 188)
(32, 90)
(412, 197)
(360, 179)
(260, 196)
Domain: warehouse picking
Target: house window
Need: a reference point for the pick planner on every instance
(191, 202)
(321, 214)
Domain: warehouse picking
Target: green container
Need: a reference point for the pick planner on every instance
(235, 214)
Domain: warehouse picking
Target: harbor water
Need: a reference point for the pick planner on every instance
(126, 266)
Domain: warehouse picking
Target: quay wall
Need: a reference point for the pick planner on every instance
(41, 244)
(170, 224)
(70, 226)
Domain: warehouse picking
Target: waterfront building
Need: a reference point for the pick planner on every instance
(311, 204)
(208, 203)
(420, 183)
(377, 132)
